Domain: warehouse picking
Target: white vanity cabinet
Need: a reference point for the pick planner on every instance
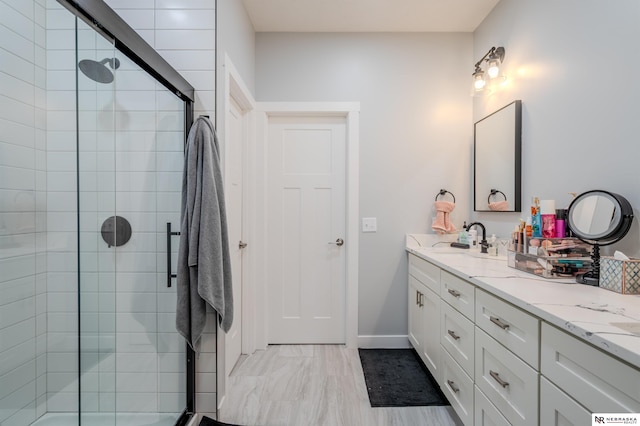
(458, 388)
(457, 337)
(485, 413)
(457, 342)
(507, 381)
(458, 293)
(416, 314)
(501, 363)
(512, 327)
(424, 312)
(592, 378)
(559, 409)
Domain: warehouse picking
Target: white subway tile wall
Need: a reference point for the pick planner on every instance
(61, 216)
(23, 203)
(183, 32)
(130, 164)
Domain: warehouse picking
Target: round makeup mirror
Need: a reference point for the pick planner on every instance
(598, 218)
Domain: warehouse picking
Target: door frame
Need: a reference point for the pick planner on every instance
(351, 112)
(233, 87)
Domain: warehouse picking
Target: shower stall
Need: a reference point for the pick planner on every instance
(92, 133)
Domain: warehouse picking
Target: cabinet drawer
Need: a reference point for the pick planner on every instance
(506, 380)
(596, 380)
(458, 388)
(514, 328)
(559, 409)
(458, 293)
(457, 337)
(485, 413)
(425, 272)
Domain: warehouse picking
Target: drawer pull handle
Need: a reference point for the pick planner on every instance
(499, 323)
(454, 293)
(421, 300)
(417, 298)
(497, 378)
(453, 386)
(453, 334)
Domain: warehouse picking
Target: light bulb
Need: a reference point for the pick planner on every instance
(493, 69)
(478, 81)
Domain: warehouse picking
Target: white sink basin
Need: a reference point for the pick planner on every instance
(466, 252)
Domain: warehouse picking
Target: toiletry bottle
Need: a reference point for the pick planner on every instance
(561, 215)
(548, 212)
(493, 245)
(536, 219)
(514, 238)
(463, 237)
(473, 238)
(521, 237)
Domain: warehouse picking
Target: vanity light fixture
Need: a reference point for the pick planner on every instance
(494, 58)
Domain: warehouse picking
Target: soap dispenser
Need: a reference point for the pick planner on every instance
(463, 236)
(493, 245)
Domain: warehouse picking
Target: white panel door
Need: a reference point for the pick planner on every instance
(235, 132)
(306, 223)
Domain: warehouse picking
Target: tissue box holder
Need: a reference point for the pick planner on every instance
(621, 276)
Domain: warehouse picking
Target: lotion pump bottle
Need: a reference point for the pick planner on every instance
(463, 236)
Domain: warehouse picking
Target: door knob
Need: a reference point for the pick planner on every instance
(338, 242)
(241, 245)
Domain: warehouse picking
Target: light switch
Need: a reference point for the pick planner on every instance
(369, 224)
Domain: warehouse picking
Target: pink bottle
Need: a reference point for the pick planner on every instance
(548, 213)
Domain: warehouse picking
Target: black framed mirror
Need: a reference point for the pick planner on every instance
(497, 152)
(598, 218)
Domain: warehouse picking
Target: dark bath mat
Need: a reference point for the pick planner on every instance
(397, 378)
(206, 421)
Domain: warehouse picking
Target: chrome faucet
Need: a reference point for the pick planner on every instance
(483, 243)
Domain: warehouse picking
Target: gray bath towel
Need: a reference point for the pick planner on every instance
(204, 267)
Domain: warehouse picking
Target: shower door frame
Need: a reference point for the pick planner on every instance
(105, 21)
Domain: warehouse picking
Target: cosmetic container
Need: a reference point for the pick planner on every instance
(548, 213)
(561, 229)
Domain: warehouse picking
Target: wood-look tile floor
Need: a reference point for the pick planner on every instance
(313, 385)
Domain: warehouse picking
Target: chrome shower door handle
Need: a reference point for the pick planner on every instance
(338, 242)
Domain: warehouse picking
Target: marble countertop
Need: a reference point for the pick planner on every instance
(607, 320)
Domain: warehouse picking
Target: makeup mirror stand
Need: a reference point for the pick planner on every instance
(593, 276)
(598, 218)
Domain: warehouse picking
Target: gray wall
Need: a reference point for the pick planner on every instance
(574, 65)
(236, 39)
(415, 137)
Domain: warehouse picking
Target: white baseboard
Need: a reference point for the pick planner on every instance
(384, 342)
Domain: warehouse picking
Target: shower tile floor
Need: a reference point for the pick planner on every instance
(313, 385)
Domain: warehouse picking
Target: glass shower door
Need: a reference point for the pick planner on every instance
(96, 202)
(130, 154)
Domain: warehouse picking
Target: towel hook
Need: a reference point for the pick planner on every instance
(494, 192)
(443, 192)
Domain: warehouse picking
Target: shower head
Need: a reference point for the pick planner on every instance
(97, 71)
